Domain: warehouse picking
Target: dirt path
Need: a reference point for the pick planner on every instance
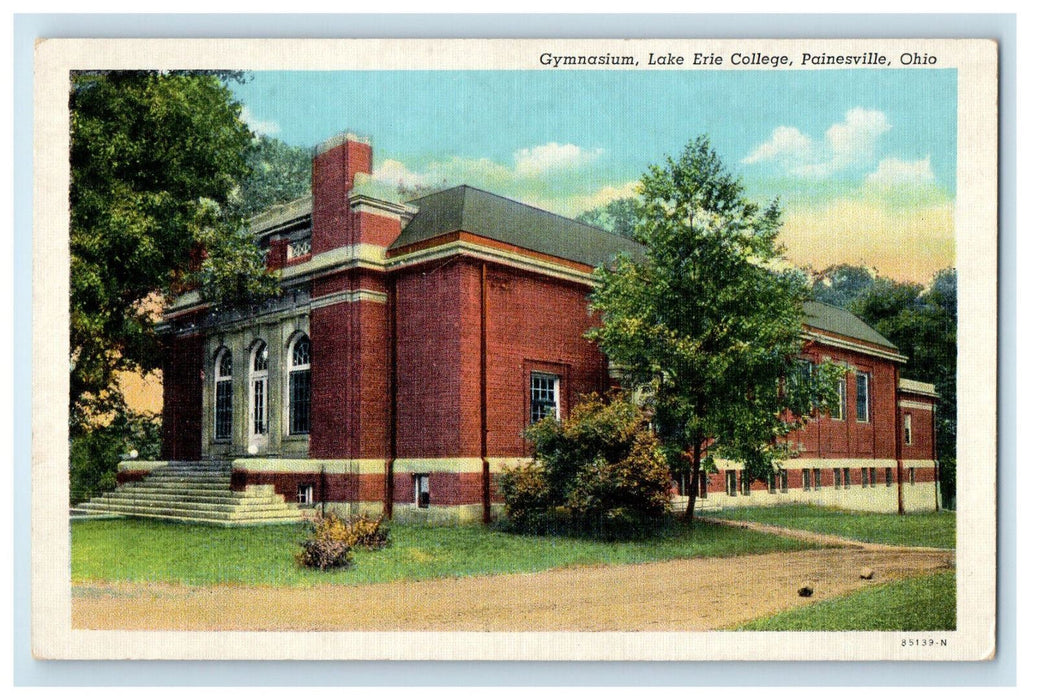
(693, 594)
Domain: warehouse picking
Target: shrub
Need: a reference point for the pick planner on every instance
(363, 532)
(94, 454)
(328, 546)
(600, 471)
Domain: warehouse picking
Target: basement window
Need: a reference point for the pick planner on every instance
(806, 479)
(874, 477)
(889, 476)
(421, 493)
(304, 494)
(846, 478)
(732, 483)
(837, 478)
(817, 479)
(864, 477)
(747, 483)
(783, 476)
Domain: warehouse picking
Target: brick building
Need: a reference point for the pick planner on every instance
(415, 341)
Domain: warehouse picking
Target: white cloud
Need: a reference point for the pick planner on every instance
(851, 142)
(893, 172)
(393, 172)
(531, 162)
(786, 142)
(854, 139)
(258, 126)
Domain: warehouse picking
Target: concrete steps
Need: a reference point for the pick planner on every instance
(194, 492)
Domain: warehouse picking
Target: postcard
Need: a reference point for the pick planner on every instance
(515, 349)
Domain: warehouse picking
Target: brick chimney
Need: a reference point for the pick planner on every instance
(335, 165)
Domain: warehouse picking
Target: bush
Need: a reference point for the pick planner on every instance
(601, 471)
(94, 455)
(333, 540)
(328, 547)
(363, 532)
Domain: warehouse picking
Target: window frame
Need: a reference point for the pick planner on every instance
(866, 376)
(908, 435)
(806, 474)
(837, 478)
(304, 494)
(841, 404)
(294, 370)
(223, 384)
(259, 426)
(731, 482)
(421, 479)
(817, 479)
(536, 405)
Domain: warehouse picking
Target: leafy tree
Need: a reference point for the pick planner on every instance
(599, 471)
(155, 159)
(706, 322)
(923, 324)
(94, 455)
(618, 216)
(839, 285)
(277, 173)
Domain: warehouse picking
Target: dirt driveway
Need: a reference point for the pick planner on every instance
(683, 595)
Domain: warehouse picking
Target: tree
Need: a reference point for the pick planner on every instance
(155, 159)
(277, 173)
(841, 284)
(706, 321)
(922, 323)
(618, 216)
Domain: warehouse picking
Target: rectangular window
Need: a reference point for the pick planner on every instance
(299, 402)
(911, 475)
(747, 483)
(817, 479)
(259, 406)
(304, 494)
(874, 478)
(846, 477)
(783, 476)
(839, 410)
(864, 477)
(421, 497)
(732, 483)
(907, 428)
(889, 476)
(703, 485)
(223, 409)
(837, 478)
(772, 482)
(806, 479)
(543, 397)
(863, 397)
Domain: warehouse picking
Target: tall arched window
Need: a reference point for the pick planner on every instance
(299, 386)
(223, 407)
(258, 383)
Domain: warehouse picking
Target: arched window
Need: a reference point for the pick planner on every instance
(299, 386)
(223, 408)
(258, 382)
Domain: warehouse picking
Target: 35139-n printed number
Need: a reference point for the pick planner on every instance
(923, 642)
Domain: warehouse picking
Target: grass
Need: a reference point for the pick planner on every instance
(915, 529)
(923, 603)
(153, 551)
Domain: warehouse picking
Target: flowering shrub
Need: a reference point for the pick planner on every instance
(328, 546)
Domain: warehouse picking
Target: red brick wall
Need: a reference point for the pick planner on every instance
(535, 323)
(921, 446)
(334, 409)
(182, 368)
(428, 365)
(850, 438)
(333, 172)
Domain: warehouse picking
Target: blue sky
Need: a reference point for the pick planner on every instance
(863, 161)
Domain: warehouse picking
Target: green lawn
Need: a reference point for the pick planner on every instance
(143, 550)
(915, 529)
(924, 603)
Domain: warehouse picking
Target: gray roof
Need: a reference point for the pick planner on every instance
(485, 214)
(482, 213)
(836, 320)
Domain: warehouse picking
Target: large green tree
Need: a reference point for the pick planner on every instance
(156, 159)
(923, 323)
(277, 173)
(618, 216)
(708, 322)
